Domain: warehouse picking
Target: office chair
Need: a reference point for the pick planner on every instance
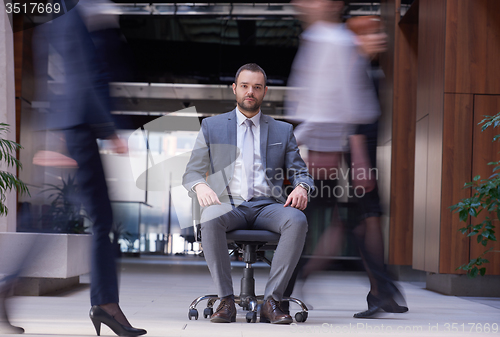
(252, 244)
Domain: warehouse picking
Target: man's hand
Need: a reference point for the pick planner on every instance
(119, 145)
(360, 167)
(297, 199)
(362, 176)
(206, 196)
(372, 44)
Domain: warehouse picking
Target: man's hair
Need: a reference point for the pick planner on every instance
(253, 67)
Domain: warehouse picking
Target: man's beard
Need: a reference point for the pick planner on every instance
(250, 105)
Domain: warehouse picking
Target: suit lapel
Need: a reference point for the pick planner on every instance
(264, 131)
(231, 135)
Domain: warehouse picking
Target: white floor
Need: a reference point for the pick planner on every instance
(156, 293)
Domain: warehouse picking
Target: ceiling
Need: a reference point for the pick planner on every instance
(186, 54)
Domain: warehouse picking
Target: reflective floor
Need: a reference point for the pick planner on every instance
(157, 291)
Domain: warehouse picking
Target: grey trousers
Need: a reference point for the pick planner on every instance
(268, 214)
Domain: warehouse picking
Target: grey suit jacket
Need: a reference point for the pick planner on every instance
(215, 153)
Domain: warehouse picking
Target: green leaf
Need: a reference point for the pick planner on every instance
(8, 181)
(472, 233)
(463, 215)
(473, 272)
(473, 212)
(482, 271)
(476, 178)
(486, 118)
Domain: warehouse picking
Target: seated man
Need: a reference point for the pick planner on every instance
(247, 156)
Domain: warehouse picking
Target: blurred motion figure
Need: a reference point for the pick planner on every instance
(383, 295)
(337, 99)
(88, 43)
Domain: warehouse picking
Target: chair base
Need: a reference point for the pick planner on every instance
(251, 244)
(249, 303)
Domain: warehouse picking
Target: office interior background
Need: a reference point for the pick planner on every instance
(441, 78)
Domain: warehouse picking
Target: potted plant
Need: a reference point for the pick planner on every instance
(65, 213)
(63, 257)
(119, 232)
(485, 197)
(8, 181)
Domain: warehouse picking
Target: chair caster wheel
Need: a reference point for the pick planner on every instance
(251, 317)
(193, 313)
(208, 312)
(301, 316)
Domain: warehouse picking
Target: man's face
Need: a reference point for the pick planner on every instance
(250, 90)
(370, 34)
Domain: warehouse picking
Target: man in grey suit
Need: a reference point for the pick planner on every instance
(247, 156)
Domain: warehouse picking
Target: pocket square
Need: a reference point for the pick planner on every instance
(275, 144)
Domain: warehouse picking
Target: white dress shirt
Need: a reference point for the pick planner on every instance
(261, 187)
(336, 92)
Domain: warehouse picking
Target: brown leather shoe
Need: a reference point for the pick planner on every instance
(226, 312)
(272, 312)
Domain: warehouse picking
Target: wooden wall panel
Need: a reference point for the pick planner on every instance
(434, 189)
(18, 70)
(386, 94)
(420, 193)
(403, 149)
(431, 39)
(28, 83)
(485, 151)
(18, 53)
(390, 18)
(430, 97)
(457, 170)
(473, 46)
(384, 158)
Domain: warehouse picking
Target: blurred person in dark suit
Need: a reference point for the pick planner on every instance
(88, 42)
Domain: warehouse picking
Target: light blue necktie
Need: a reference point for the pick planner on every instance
(248, 161)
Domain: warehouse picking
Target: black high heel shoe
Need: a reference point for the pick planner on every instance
(375, 304)
(7, 328)
(98, 316)
(388, 304)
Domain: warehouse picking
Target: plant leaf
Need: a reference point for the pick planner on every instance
(473, 272)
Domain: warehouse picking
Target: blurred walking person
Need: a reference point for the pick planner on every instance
(88, 42)
(384, 294)
(336, 96)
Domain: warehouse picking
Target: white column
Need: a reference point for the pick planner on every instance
(7, 105)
